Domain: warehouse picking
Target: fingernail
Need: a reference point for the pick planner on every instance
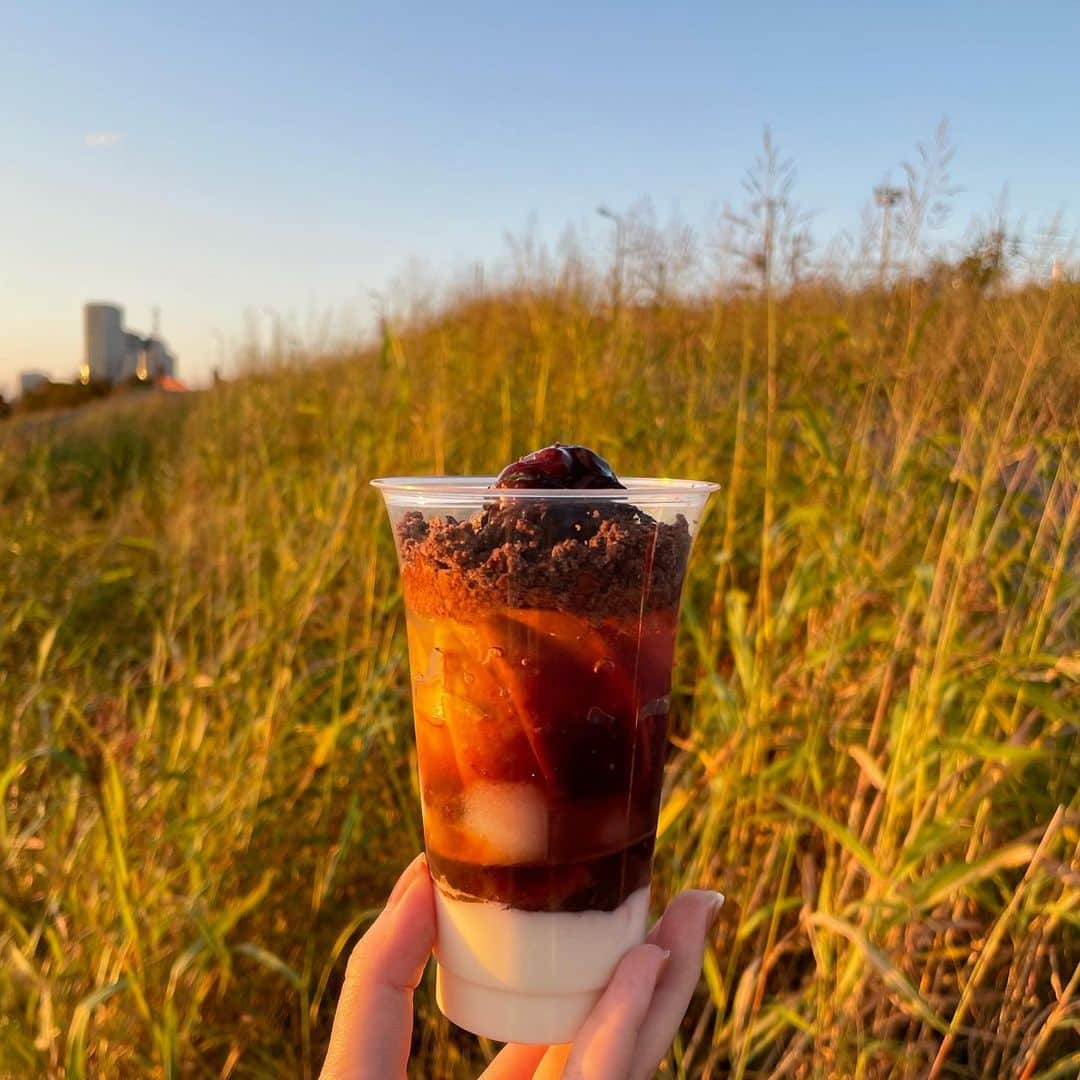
(716, 902)
(665, 956)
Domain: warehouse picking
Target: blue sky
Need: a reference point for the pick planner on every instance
(217, 160)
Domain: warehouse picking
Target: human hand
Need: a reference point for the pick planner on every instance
(625, 1037)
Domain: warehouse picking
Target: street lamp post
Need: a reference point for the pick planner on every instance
(620, 250)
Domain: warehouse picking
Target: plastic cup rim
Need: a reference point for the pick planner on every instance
(435, 489)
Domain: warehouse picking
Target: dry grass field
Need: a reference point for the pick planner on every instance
(206, 763)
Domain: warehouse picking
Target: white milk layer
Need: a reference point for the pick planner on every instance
(529, 976)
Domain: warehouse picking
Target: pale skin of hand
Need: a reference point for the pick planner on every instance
(625, 1037)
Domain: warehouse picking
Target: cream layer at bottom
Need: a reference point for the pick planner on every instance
(529, 976)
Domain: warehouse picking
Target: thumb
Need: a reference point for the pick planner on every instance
(373, 1024)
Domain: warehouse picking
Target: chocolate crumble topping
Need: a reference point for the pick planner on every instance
(585, 558)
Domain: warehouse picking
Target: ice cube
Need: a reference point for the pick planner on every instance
(510, 820)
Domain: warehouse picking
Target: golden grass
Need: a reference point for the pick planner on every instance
(207, 784)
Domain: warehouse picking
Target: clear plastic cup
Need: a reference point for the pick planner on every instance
(541, 631)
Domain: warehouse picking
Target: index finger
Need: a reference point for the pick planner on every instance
(682, 930)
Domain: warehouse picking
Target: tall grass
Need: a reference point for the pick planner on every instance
(207, 784)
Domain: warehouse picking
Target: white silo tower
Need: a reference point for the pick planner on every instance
(105, 345)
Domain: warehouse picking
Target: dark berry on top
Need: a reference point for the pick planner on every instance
(559, 466)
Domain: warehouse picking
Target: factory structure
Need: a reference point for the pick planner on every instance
(32, 381)
(114, 355)
(113, 358)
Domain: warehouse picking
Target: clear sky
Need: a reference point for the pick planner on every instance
(228, 158)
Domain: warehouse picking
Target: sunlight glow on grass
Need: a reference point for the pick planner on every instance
(208, 780)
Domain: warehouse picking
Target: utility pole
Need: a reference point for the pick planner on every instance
(886, 197)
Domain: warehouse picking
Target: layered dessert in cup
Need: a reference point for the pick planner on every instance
(541, 610)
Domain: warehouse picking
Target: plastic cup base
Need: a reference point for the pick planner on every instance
(508, 1016)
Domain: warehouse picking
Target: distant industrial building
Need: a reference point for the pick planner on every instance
(29, 381)
(114, 355)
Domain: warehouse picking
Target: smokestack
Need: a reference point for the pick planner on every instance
(156, 324)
